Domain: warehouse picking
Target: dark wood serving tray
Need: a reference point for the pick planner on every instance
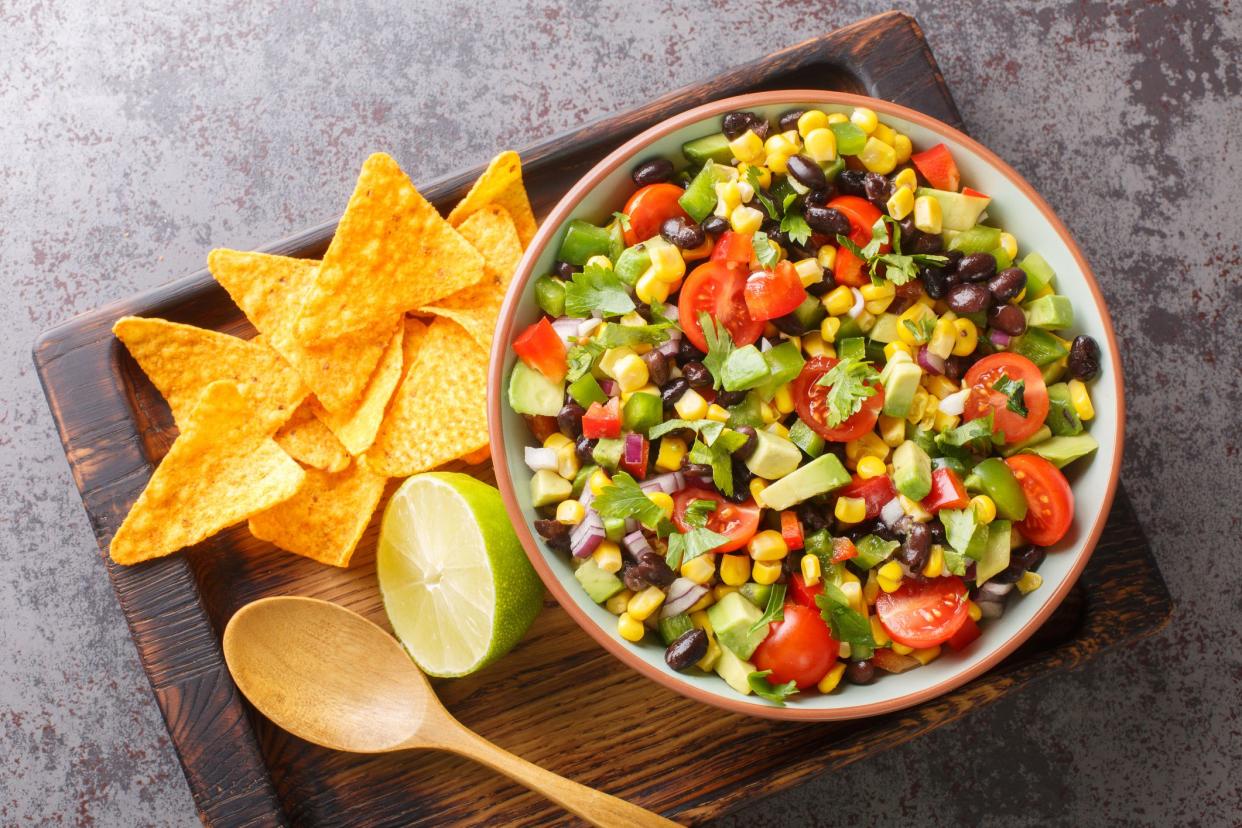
(558, 699)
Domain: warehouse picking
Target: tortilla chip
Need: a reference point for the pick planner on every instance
(500, 184)
(182, 360)
(392, 252)
(269, 290)
(491, 232)
(326, 518)
(356, 428)
(309, 441)
(222, 469)
(439, 411)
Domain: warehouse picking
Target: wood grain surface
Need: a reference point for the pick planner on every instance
(558, 700)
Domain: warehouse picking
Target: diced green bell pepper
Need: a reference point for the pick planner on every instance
(641, 412)
(805, 438)
(614, 529)
(550, 294)
(993, 478)
(699, 199)
(833, 168)
(584, 240)
(581, 478)
(585, 390)
(807, 316)
(852, 348)
(1039, 346)
(850, 139)
(871, 551)
(1062, 419)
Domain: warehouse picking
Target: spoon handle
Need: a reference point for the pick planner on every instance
(594, 806)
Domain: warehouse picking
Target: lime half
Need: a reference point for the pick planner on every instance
(456, 584)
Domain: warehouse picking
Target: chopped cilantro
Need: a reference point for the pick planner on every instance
(765, 252)
(613, 335)
(922, 330)
(624, 499)
(582, 357)
(719, 346)
(964, 532)
(973, 434)
(846, 623)
(718, 455)
(686, 546)
(848, 386)
(1015, 390)
(795, 226)
(597, 288)
(899, 268)
(708, 429)
(623, 220)
(775, 609)
(764, 689)
(752, 178)
(697, 512)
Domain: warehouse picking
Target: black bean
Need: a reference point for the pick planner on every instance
(742, 475)
(917, 547)
(657, 367)
(955, 367)
(1084, 358)
(697, 375)
(937, 532)
(652, 171)
(789, 119)
(653, 569)
(1029, 557)
(747, 448)
(715, 225)
(565, 270)
(1007, 284)
(924, 243)
(818, 198)
(807, 173)
(682, 232)
(689, 648)
(584, 448)
(826, 220)
(935, 281)
(686, 352)
(632, 578)
(860, 672)
(672, 391)
(569, 419)
(735, 124)
(850, 182)
(954, 259)
(1008, 318)
(821, 287)
(969, 297)
(701, 472)
(555, 533)
(814, 516)
(977, 267)
(877, 189)
(727, 399)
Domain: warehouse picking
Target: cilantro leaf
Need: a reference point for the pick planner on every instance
(709, 430)
(848, 386)
(899, 268)
(624, 499)
(964, 532)
(764, 689)
(614, 336)
(686, 546)
(597, 288)
(718, 455)
(719, 346)
(752, 178)
(954, 561)
(795, 226)
(790, 198)
(659, 313)
(846, 623)
(922, 330)
(973, 435)
(623, 220)
(775, 609)
(697, 512)
(1015, 390)
(581, 359)
(765, 252)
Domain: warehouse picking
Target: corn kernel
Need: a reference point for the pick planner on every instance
(895, 346)
(906, 179)
(865, 320)
(779, 144)
(666, 260)
(778, 163)
(914, 333)
(914, 509)
(617, 603)
(940, 386)
(764, 174)
(878, 157)
(810, 121)
(599, 481)
(780, 251)
(871, 590)
(929, 414)
(985, 508)
(926, 655)
(1009, 244)
(728, 198)
(826, 256)
(852, 588)
(783, 400)
(778, 429)
(570, 512)
(630, 372)
(865, 119)
(650, 289)
(709, 659)
(918, 406)
(892, 431)
(700, 570)
(814, 345)
(1080, 398)
(869, 467)
(1029, 582)
(766, 572)
(809, 272)
(756, 487)
(837, 118)
(890, 570)
(900, 649)
(903, 147)
(974, 610)
(646, 602)
(868, 445)
(811, 570)
(717, 413)
(747, 147)
(821, 145)
(703, 603)
(839, 300)
(935, 562)
(945, 422)
(607, 556)
(768, 414)
(885, 133)
(943, 339)
(719, 591)
(831, 679)
(556, 440)
(850, 509)
(901, 203)
(927, 215)
(793, 138)
(701, 622)
(767, 545)
(691, 406)
(878, 633)
(734, 569)
(630, 628)
(745, 219)
(967, 337)
(672, 452)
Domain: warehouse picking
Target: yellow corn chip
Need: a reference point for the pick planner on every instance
(392, 252)
(356, 428)
(326, 518)
(491, 232)
(222, 469)
(269, 290)
(439, 411)
(500, 184)
(309, 441)
(182, 360)
(411, 343)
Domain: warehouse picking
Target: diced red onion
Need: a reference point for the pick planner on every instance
(669, 347)
(992, 591)
(587, 535)
(609, 387)
(930, 362)
(631, 525)
(636, 542)
(634, 449)
(892, 512)
(539, 459)
(588, 326)
(856, 309)
(587, 496)
(999, 338)
(670, 483)
(566, 328)
(682, 595)
(955, 403)
(765, 345)
(991, 609)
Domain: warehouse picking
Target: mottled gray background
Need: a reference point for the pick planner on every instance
(135, 136)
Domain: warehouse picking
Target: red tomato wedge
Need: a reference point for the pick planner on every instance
(801, 593)
(938, 167)
(1049, 499)
(717, 289)
(541, 349)
(981, 378)
(736, 521)
(602, 420)
(800, 648)
(649, 207)
(734, 247)
(773, 293)
(947, 492)
(849, 269)
(875, 492)
(968, 633)
(924, 614)
(811, 400)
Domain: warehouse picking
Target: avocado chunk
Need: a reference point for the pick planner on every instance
(977, 239)
(996, 553)
(744, 369)
(823, 474)
(547, 487)
(912, 471)
(607, 452)
(901, 383)
(1061, 451)
(600, 585)
(1017, 448)
(1039, 274)
(732, 618)
(885, 328)
(773, 457)
(1053, 372)
(958, 211)
(734, 671)
(530, 392)
(632, 263)
(674, 627)
(757, 594)
(1049, 312)
(1062, 418)
(708, 148)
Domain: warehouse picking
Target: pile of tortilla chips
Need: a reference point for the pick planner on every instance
(368, 365)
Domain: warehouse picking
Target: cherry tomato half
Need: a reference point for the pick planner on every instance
(849, 269)
(923, 614)
(1049, 500)
(736, 521)
(799, 648)
(802, 594)
(773, 293)
(811, 399)
(717, 289)
(984, 398)
(649, 207)
(875, 492)
(734, 247)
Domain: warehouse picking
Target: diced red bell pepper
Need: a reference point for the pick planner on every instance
(891, 662)
(938, 167)
(773, 293)
(734, 247)
(947, 492)
(541, 426)
(639, 469)
(602, 420)
(967, 633)
(802, 594)
(971, 191)
(791, 529)
(541, 349)
(843, 549)
(875, 492)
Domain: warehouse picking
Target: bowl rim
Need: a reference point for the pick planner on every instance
(562, 211)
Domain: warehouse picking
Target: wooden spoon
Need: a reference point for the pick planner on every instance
(328, 675)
